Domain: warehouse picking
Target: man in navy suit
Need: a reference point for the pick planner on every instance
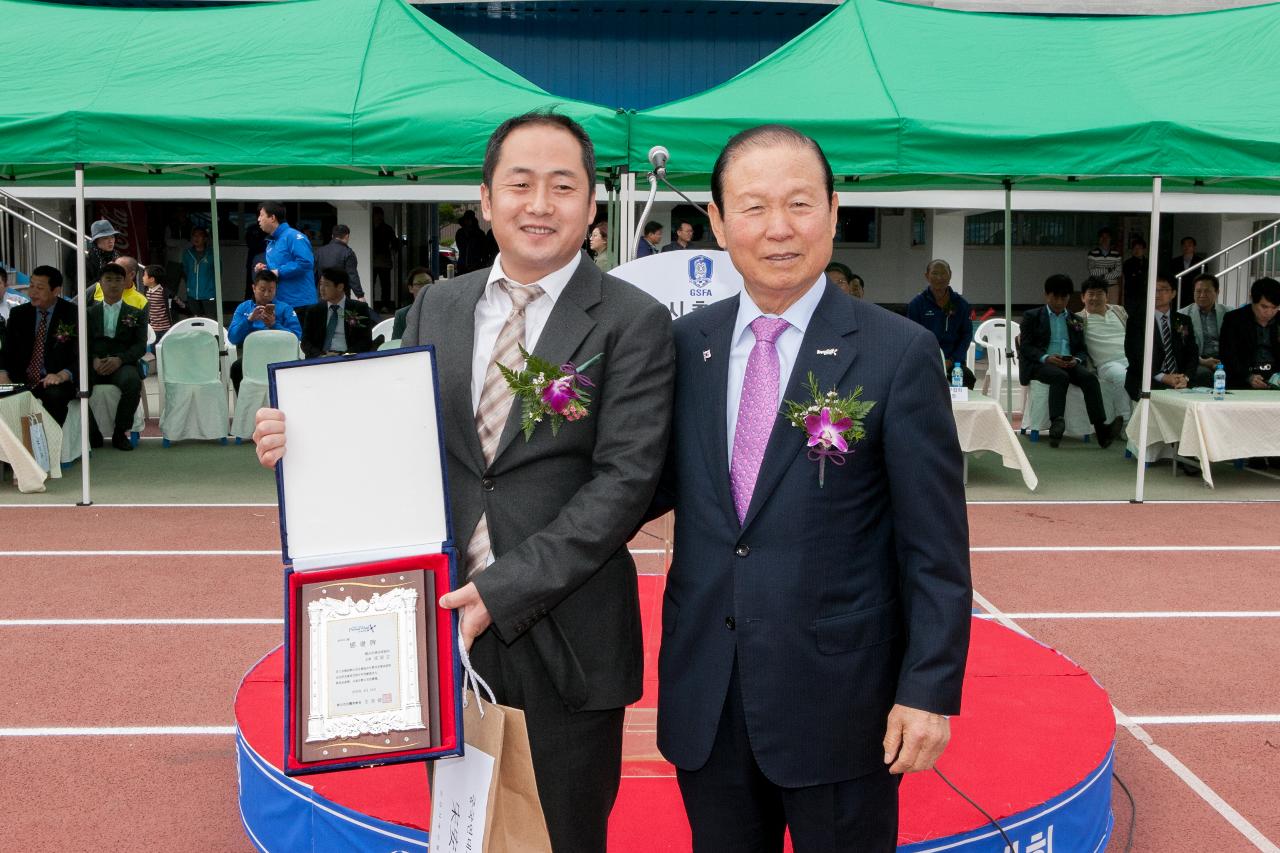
(814, 631)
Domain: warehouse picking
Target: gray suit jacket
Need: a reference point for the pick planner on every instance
(1193, 311)
(562, 508)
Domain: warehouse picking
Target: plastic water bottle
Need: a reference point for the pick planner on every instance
(957, 376)
(1219, 383)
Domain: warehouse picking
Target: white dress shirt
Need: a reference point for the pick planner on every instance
(340, 331)
(1104, 336)
(787, 345)
(494, 306)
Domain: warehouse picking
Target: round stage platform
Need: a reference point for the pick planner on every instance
(1033, 747)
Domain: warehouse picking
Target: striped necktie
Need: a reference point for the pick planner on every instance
(1166, 341)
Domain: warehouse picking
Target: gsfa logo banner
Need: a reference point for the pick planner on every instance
(684, 280)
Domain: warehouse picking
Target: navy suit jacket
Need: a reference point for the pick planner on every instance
(839, 601)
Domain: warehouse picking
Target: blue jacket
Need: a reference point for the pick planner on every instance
(241, 326)
(289, 254)
(952, 328)
(198, 271)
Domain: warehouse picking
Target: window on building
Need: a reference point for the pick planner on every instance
(1038, 228)
(858, 227)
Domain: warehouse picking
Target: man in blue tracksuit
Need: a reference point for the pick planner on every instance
(945, 313)
(289, 256)
(197, 292)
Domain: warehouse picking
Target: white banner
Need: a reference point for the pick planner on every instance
(684, 281)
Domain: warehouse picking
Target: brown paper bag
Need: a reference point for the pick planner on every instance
(34, 439)
(497, 749)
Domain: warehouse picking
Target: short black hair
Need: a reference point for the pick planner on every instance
(1093, 282)
(1137, 241)
(1161, 275)
(1209, 277)
(114, 269)
(340, 230)
(157, 272)
(764, 135)
(201, 229)
(682, 222)
(652, 227)
(1186, 238)
(274, 209)
(265, 274)
(1105, 230)
(1265, 288)
(336, 275)
(1059, 284)
(535, 118)
(52, 273)
(836, 266)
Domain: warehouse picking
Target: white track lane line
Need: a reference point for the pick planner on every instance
(206, 553)
(1194, 782)
(128, 731)
(133, 506)
(1204, 719)
(1146, 614)
(62, 623)
(1113, 503)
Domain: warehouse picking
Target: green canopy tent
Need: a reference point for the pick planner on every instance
(910, 97)
(304, 91)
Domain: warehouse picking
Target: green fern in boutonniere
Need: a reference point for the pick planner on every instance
(557, 394)
(832, 423)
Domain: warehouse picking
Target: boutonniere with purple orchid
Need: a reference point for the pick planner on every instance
(832, 423)
(65, 332)
(355, 321)
(547, 392)
(129, 321)
(1074, 323)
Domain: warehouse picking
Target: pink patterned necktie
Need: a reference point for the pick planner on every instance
(757, 411)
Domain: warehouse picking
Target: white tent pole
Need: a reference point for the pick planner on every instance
(1148, 338)
(82, 322)
(217, 260)
(1008, 294)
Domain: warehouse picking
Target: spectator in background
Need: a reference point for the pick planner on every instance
(945, 313)
(419, 278)
(470, 241)
(1104, 331)
(1206, 321)
(154, 278)
(684, 234)
(336, 324)
(132, 295)
(289, 256)
(1250, 340)
(197, 290)
(41, 345)
(598, 242)
(1173, 346)
(261, 312)
(117, 342)
(102, 251)
(846, 279)
(1052, 351)
(385, 244)
(1189, 259)
(1133, 273)
(338, 253)
(1104, 262)
(648, 244)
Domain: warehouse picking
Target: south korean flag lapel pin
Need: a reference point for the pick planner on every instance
(706, 356)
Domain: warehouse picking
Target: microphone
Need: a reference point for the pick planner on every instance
(658, 155)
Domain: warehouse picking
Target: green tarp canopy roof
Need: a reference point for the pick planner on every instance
(270, 92)
(899, 94)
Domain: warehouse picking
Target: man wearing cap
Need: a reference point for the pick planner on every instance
(289, 256)
(102, 251)
(338, 253)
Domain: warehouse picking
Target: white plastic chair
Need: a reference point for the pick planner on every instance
(384, 328)
(195, 396)
(1000, 369)
(260, 349)
(389, 345)
(202, 324)
(1035, 412)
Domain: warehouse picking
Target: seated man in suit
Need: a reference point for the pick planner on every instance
(117, 342)
(1250, 341)
(40, 344)
(1206, 321)
(419, 277)
(263, 311)
(1052, 351)
(336, 324)
(1173, 347)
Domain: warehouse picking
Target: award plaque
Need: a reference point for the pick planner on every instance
(372, 674)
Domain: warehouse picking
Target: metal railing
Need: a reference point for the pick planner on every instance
(18, 244)
(1236, 275)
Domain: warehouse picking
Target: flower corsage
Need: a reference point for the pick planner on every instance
(557, 394)
(832, 423)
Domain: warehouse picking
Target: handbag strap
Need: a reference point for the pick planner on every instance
(470, 678)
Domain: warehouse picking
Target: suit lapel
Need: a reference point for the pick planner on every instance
(831, 328)
(565, 329)
(711, 383)
(453, 355)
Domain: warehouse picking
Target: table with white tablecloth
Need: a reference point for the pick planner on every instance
(1244, 425)
(26, 471)
(981, 425)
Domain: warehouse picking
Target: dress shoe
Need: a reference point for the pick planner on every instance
(95, 437)
(1191, 470)
(1107, 433)
(120, 440)
(1056, 429)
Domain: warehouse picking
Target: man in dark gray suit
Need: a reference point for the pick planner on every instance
(816, 619)
(551, 605)
(338, 253)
